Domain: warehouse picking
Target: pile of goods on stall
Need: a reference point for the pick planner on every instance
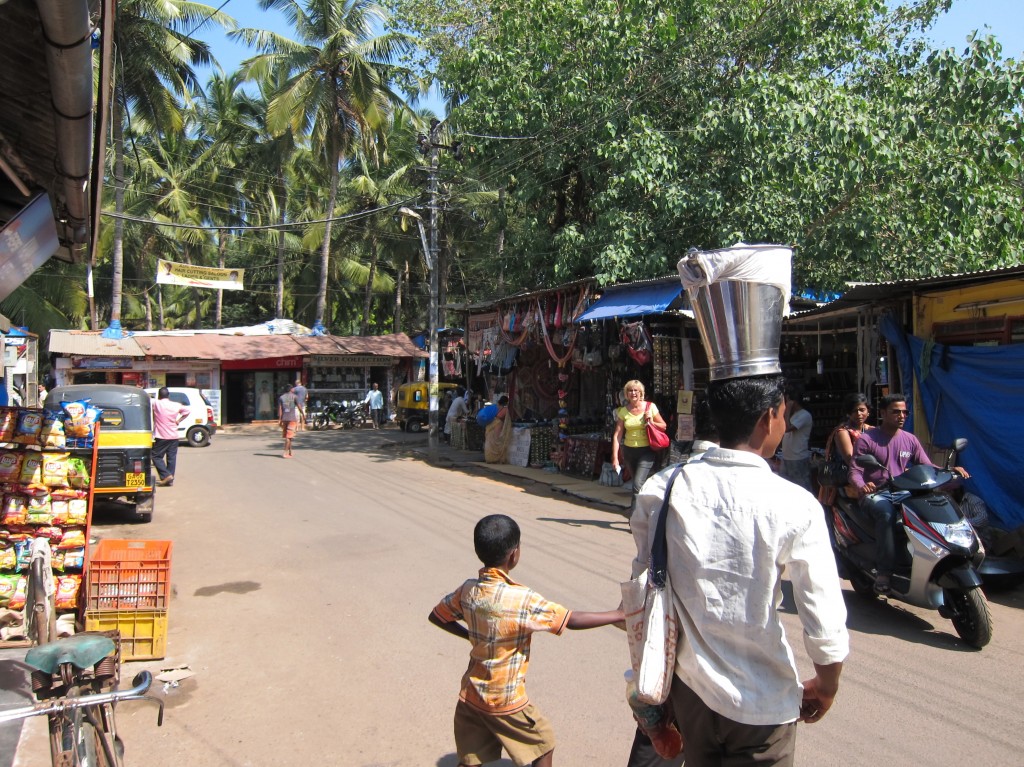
(44, 484)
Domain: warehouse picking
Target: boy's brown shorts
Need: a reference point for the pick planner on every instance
(479, 738)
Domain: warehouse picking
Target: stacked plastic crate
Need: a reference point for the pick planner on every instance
(129, 588)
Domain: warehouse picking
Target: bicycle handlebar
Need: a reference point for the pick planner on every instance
(140, 685)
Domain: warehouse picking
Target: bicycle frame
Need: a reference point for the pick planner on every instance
(69, 715)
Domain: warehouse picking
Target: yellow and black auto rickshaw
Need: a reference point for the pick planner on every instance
(124, 457)
(414, 404)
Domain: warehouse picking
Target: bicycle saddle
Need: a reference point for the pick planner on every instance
(81, 650)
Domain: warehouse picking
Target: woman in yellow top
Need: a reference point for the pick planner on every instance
(631, 434)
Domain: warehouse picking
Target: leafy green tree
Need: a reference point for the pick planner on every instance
(630, 133)
(155, 55)
(339, 87)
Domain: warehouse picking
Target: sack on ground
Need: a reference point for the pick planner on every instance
(610, 477)
(519, 449)
(652, 632)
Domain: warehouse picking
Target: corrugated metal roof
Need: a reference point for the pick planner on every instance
(83, 343)
(394, 345)
(199, 347)
(865, 293)
(208, 346)
(257, 347)
(326, 345)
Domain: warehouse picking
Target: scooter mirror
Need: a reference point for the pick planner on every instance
(867, 461)
(960, 444)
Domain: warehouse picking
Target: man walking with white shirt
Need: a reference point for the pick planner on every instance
(733, 527)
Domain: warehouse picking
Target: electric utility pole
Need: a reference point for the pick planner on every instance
(430, 146)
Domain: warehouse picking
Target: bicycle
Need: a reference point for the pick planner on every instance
(83, 730)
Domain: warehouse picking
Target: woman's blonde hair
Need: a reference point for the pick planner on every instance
(634, 385)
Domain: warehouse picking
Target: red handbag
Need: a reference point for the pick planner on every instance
(657, 439)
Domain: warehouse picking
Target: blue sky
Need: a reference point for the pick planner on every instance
(1001, 18)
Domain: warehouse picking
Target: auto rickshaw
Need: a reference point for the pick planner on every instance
(125, 451)
(414, 404)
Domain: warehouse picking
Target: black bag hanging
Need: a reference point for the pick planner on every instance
(833, 472)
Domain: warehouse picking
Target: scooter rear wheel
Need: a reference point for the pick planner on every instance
(863, 586)
(971, 617)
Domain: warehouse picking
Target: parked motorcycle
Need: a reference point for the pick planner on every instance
(938, 553)
(329, 415)
(350, 414)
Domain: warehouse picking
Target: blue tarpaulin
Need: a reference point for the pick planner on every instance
(633, 300)
(977, 392)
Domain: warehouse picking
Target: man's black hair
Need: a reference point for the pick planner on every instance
(494, 538)
(737, 404)
(889, 399)
(163, 393)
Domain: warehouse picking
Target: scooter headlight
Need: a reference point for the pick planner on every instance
(957, 534)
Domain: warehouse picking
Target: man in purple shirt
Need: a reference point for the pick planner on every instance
(897, 451)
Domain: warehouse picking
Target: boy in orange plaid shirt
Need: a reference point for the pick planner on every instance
(501, 616)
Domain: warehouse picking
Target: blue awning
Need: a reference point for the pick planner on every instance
(633, 300)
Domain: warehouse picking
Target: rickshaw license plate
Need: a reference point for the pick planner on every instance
(135, 479)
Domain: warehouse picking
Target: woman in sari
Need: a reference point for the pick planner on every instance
(498, 435)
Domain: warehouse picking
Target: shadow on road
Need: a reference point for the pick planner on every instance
(608, 524)
(890, 618)
(452, 760)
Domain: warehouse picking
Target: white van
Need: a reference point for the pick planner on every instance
(198, 428)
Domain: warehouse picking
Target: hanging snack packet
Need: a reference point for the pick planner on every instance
(8, 557)
(10, 465)
(78, 511)
(79, 419)
(73, 559)
(59, 507)
(73, 538)
(78, 473)
(23, 550)
(39, 510)
(31, 469)
(52, 433)
(28, 426)
(67, 592)
(55, 469)
(8, 420)
(8, 588)
(20, 595)
(14, 510)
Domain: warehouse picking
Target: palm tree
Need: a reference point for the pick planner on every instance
(339, 86)
(156, 55)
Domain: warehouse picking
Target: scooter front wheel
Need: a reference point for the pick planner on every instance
(971, 617)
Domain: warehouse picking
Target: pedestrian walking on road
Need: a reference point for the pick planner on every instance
(167, 414)
(287, 415)
(301, 394)
(733, 528)
(375, 399)
(500, 616)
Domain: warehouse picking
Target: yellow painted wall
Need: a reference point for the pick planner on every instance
(940, 306)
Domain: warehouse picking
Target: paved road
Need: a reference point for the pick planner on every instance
(303, 587)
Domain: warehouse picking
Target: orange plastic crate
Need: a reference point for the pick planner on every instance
(129, 575)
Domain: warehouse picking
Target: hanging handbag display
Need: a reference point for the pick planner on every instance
(657, 438)
(652, 628)
(833, 472)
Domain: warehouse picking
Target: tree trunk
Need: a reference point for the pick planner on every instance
(368, 298)
(283, 219)
(117, 255)
(398, 297)
(325, 249)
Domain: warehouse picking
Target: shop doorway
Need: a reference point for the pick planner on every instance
(237, 397)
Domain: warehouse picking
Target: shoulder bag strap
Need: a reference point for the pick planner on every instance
(659, 548)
